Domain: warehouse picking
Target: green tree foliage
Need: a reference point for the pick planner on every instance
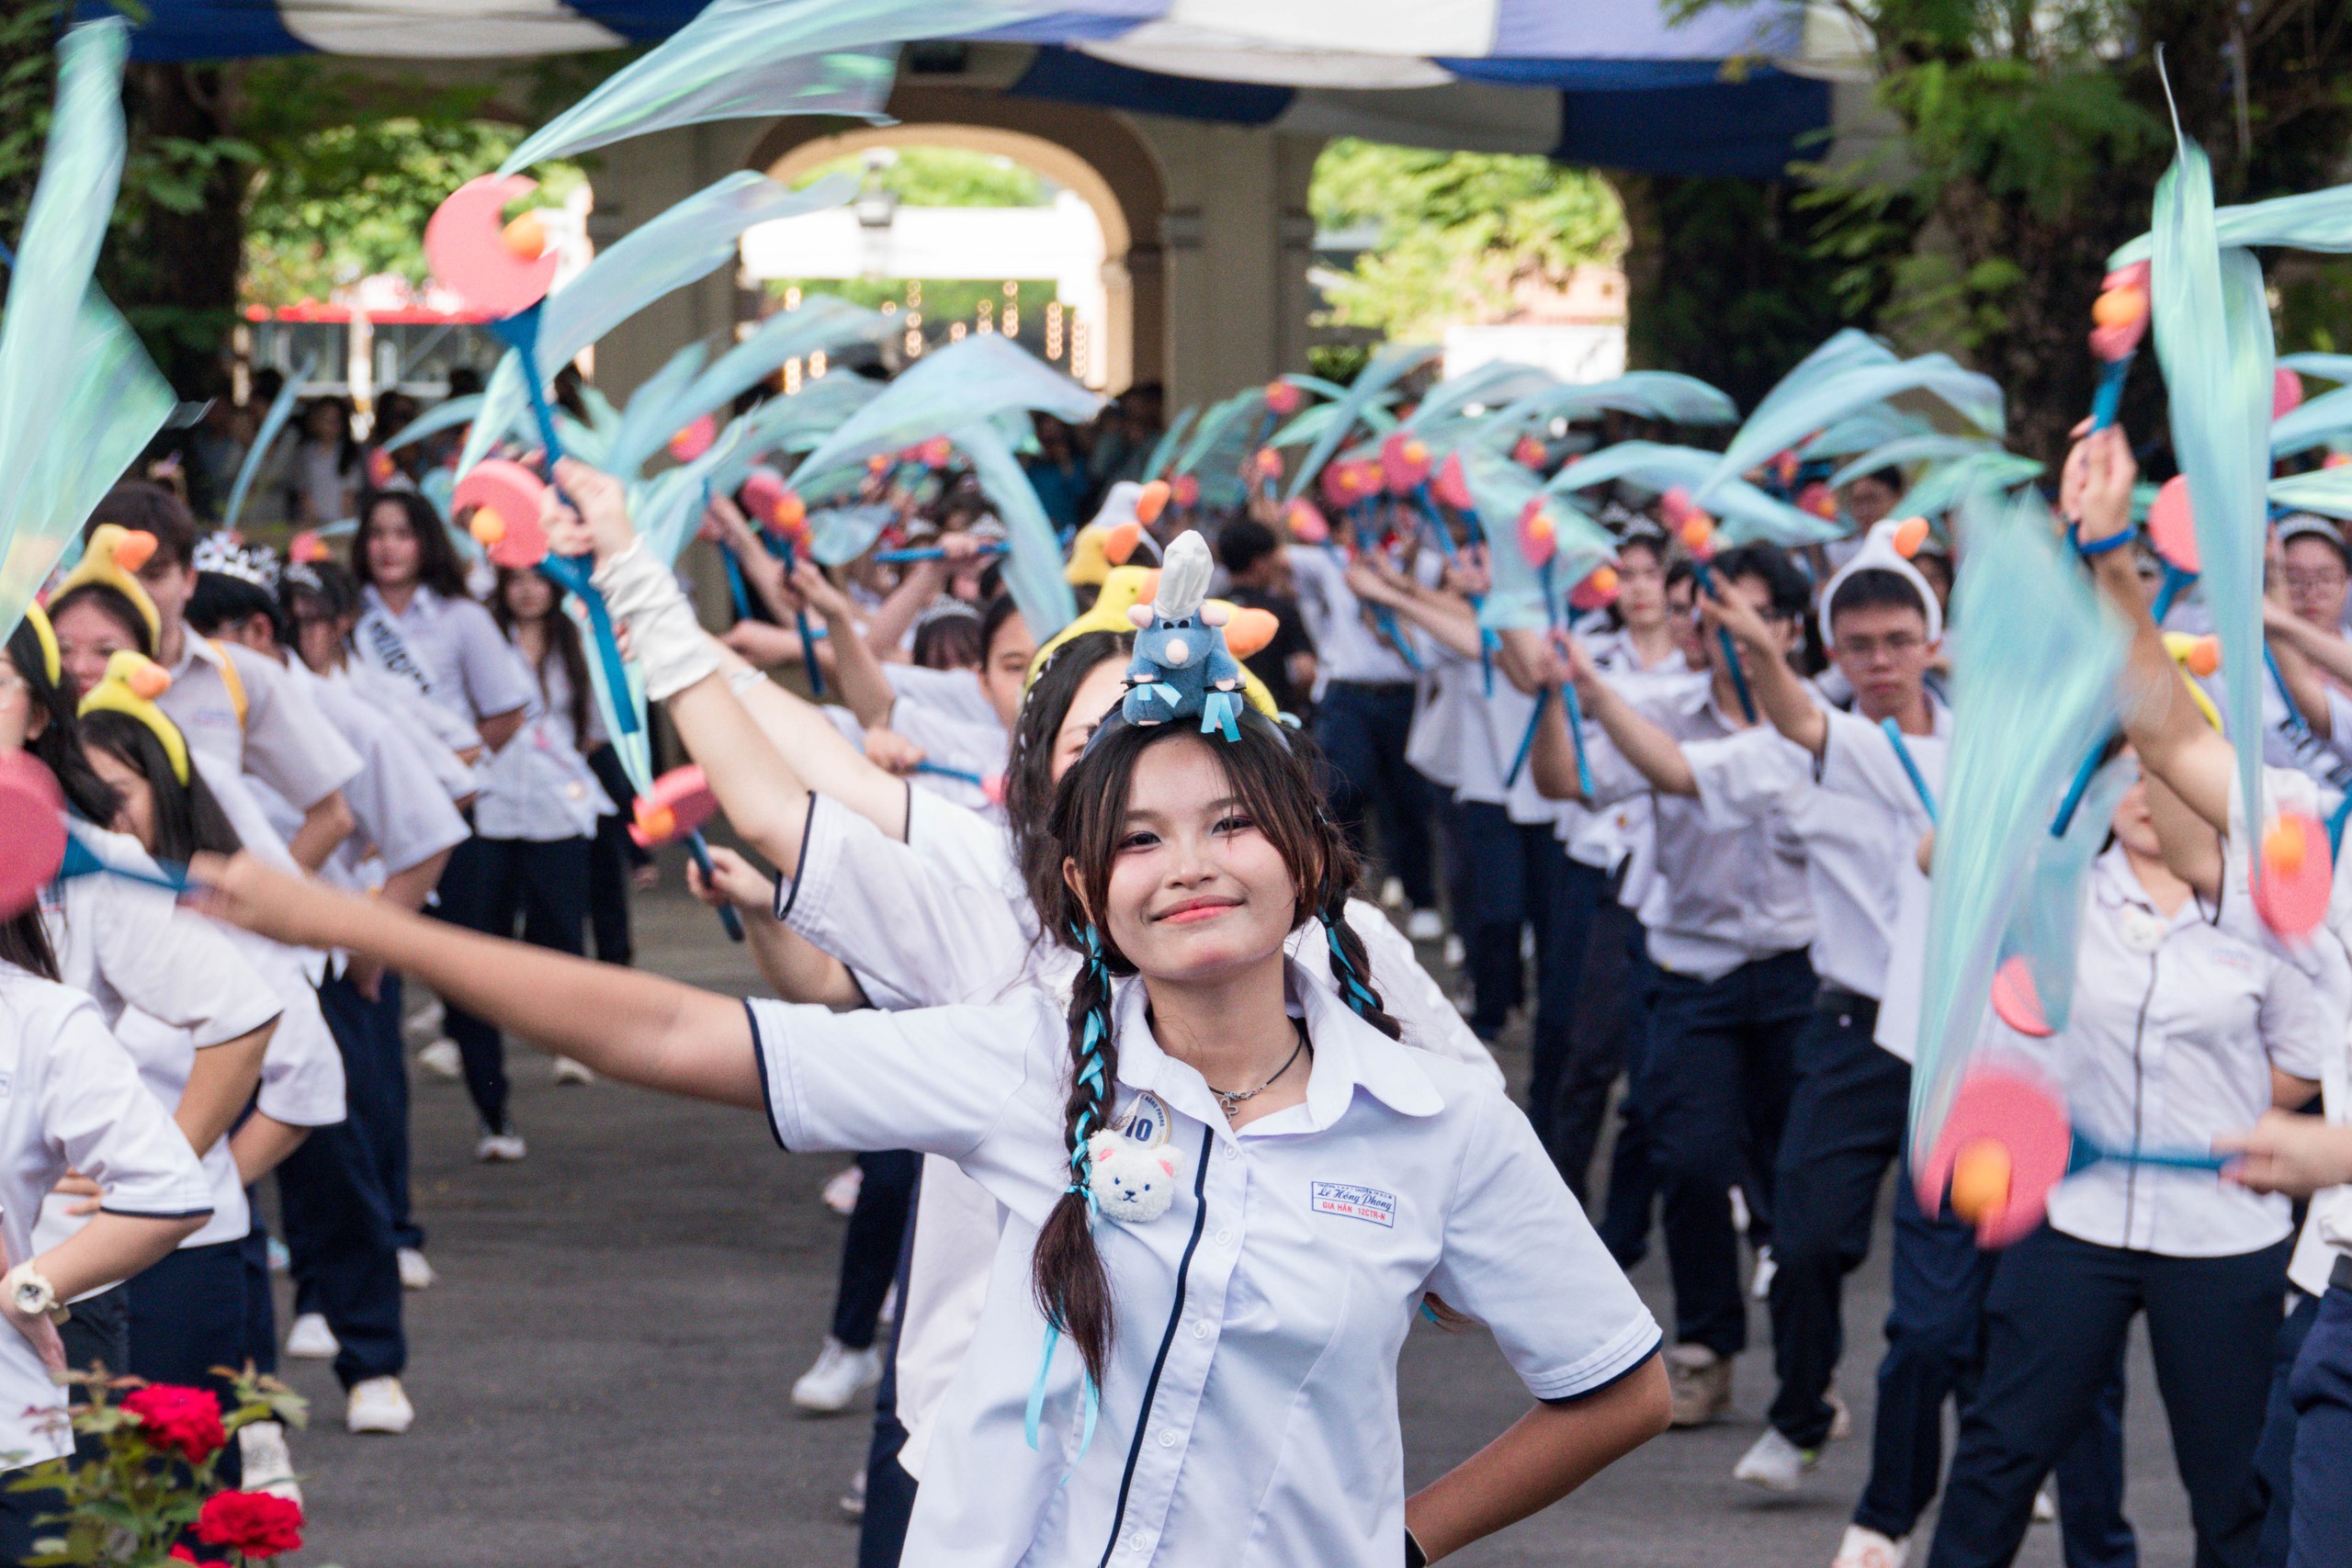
(2031, 137)
(1459, 232)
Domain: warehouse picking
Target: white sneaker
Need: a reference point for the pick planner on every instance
(1759, 1285)
(1424, 925)
(425, 1023)
(505, 1145)
(268, 1467)
(1392, 894)
(1455, 953)
(416, 1274)
(840, 1375)
(842, 1188)
(889, 1313)
(311, 1340)
(853, 1498)
(569, 1071)
(378, 1405)
(2045, 1503)
(1775, 1463)
(443, 1060)
(1868, 1549)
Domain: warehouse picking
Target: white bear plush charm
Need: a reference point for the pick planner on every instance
(1132, 1182)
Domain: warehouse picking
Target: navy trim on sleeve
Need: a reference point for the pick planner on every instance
(157, 1213)
(907, 818)
(784, 904)
(759, 1060)
(1603, 1387)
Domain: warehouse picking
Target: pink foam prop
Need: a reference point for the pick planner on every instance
(1185, 492)
(1820, 499)
(2017, 1001)
(1306, 524)
(2111, 343)
(2291, 897)
(2171, 528)
(512, 491)
(694, 439)
(465, 243)
(1451, 486)
(1539, 533)
(1283, 398)
(1597, 591)
(2024, 1118)
(764, 493)
(679, 803)
(1403, 463)
(1529, 453)
(32, 831)
(2285, 392)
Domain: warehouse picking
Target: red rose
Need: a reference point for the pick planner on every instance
(180, 1553)
(184, 1421)
(254, 1523)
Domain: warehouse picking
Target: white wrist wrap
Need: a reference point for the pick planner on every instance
(669, 646)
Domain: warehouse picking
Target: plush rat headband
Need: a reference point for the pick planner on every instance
(131, 684)
(1182, 668)
(1888, 547)
(112, 559)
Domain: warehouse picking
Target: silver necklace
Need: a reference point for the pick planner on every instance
(1230, 1097)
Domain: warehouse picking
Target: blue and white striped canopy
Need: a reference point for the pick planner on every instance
(1605, 82)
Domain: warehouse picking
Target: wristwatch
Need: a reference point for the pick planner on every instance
(30, 1293)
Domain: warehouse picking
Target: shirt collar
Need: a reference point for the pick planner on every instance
(1348, 1054)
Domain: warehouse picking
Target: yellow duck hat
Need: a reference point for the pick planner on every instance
(1110, 538)
(1123, 587)
(131, 684)
(51, 663)
(113, 558)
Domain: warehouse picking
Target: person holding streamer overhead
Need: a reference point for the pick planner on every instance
(1207, 1138)
(1729, 918)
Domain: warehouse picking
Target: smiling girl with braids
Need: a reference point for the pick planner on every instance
(1235, 1264)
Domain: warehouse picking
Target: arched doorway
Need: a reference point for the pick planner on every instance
(1117, 183)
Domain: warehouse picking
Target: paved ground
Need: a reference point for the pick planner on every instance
(601, 1375)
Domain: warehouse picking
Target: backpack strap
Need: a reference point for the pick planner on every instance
(231, 678)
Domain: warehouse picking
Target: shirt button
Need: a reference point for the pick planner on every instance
(1225, 1238)
(1232, 1151)
(1167, 1439)
(1199, 1330)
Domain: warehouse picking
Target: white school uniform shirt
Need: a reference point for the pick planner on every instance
(282, 739)
(2175, 1026)
(1446, 728)
(1857, 815)
(1347, 648)
(538, 787)
(948, 713)
(1727, 891)
(942, 918)
(403, 811)
(433, 733)
(1248, 1414)
(70, 1098)
(450, 648)
(127, 945)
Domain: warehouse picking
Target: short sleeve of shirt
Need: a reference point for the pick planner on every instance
(494, 677)
(301, 1074)
(1741, 777)
(290, 745)
(1521, 1258)
(397, 799)
(168, 961)
(937, 1080)
(904, 920)
(106, 1124)
(954, 693)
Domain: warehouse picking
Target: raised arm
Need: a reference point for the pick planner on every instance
(2173, 740)
(625, 1024)
(864, 686)
(1779, 694)
(1653, 753)
(794, 967)
(1445, 617)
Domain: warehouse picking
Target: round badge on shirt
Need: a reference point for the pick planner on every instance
(2143, 931)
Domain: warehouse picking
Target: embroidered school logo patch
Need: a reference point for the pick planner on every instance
(1355, 1202)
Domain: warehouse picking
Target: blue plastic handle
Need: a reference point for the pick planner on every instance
(700, 850)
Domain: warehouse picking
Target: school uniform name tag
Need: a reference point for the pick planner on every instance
(1350, 1201)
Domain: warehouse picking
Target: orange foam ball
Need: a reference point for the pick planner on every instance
(659, 824)
(2204, 656)
(2283, 847)
(1910, 534)
(487, 526)
(1979, 1180)
(790, 510)
(1603, 580)
(149, 679)
(135, 550)
(525, 237)
(1150, 505)
(1696, 529)
(2120, 306)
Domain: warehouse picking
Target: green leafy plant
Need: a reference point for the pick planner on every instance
(153, 1482)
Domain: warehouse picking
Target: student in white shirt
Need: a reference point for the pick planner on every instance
(337, 1190)
(1364, 713)
(1729, 918)
(75, 1103)
(235, 709)
(1285, 1269)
